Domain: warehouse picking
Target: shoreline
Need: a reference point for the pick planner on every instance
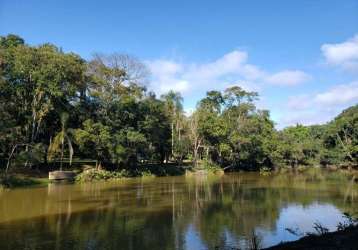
(27, 178)
(346, 239)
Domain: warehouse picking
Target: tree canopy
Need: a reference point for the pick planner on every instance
(56, 105)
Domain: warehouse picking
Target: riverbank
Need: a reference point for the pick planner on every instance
(346, 239)
(22, 177)
(18, 180)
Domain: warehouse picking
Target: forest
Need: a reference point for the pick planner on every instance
(58, 109)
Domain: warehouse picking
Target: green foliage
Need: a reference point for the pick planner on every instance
(94, 139)
(54, 104)
(298, 146)
(11, 41)
(32, 155)
(232, 133)
(100, 174)
(12, 181)
(147, 174)
(35, 82)
(341, 139)
(57, 145)
(209, 165)
(173, 104)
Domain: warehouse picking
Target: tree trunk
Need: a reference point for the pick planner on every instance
(62, 148)
(9, 159)
(26, 150)
(345, 148)
(196, 149)
(172, 139)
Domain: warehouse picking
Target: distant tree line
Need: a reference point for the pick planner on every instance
(57, 106)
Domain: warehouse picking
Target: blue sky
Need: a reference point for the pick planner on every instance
(301, 56)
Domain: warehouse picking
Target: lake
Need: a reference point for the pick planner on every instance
(197, 212)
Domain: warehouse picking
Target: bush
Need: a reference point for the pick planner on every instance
(11, 181)
(265, 170)
(147, 173)
(349, 223)
(209, 166)
(97, 175)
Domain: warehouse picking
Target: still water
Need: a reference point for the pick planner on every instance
(202, 212)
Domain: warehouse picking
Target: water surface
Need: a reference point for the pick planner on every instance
(203, 212)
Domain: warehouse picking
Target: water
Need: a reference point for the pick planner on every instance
(203, 212)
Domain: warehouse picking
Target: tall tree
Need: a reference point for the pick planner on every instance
(58, 143)
(174, 107)
(37, 81)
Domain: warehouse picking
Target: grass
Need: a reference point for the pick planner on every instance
(15, 180)
(209, 166)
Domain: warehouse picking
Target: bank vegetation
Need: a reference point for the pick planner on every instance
(59, 110)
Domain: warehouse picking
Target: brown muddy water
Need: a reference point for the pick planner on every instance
(197, 212)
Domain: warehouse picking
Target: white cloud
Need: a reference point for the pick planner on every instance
(306, 117)
(288, 78)
(231, 68)
(164, 68)
(338, 95)
(320, 107)
(299, 102)
(167, 76)
(175, 85)
(229, 63)
(343, 54)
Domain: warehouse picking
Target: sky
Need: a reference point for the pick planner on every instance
(300, 56)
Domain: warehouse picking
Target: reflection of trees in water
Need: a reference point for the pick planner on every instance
(152, 215)
(241, 206)
(351, 192)
(232, 209)
(95, 230)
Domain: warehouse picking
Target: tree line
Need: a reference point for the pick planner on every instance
(57, 107)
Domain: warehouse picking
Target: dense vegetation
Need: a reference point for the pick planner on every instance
(57, 108)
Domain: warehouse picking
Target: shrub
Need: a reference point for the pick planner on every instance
(265, 170)
(11, 181)
(209, 165)
(350, 222)
(147, 173)
(98, 174)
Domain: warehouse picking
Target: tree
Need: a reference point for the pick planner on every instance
(11, 40)
(298, 146)
(155, 126)
(341, 138)
(133, 70)
(58, 142)
(94, 139)
(35, 82)
(235, 95)
(115, 120)
(195, 136)
(211, 124)
(174, 107)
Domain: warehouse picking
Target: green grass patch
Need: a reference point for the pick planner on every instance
(208, 166)
(14, 181)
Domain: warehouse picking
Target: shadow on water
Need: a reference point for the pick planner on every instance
(172, 212)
